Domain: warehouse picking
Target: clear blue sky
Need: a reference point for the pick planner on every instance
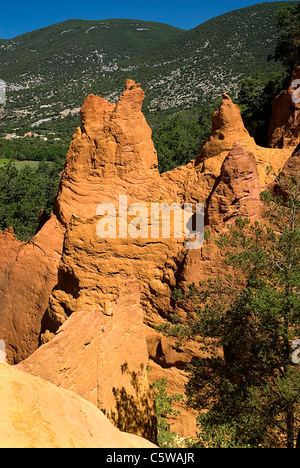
(18, 17)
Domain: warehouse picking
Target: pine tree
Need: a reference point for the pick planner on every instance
(247, 391)
(288, 44)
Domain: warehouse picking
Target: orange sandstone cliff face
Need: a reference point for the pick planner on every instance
(290, 169)
(236, 192)
(112, 154)
(28, 273)
(103, 359)
(96, 301)
(37, 414)
(284, 131)
(228, 128)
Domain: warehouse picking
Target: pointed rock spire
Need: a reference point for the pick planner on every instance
(291, 169)
(113, 148)
(227, 127)
(284, 130)
(236, 191)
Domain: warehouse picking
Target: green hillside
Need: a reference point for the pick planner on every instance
(49, 73)
(55, 68)
(210, 59)
(63, 47)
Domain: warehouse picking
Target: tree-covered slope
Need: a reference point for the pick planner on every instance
(55, 68)
(78, 45)
(212, 58)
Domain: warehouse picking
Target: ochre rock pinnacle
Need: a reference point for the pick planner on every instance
(68, 277)
(284, 130)
(237, 190)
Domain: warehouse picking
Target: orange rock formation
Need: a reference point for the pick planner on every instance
(28, 273)
(284, 131)
(37, 414)
(94, 302)
(104, 361)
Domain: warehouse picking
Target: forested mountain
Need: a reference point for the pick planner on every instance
(54, 68)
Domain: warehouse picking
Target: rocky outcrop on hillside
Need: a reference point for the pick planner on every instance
(236, 191)
(93, 302)
(28, 273)
(103, 358)
(37, 414)
(292, 166)
(112, 154)
(228, 128)
(290, 169)
(284, 130)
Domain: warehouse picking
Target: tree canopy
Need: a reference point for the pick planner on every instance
(288, 44)
(247, 389)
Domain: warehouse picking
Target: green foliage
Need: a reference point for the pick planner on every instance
(247, 390)
(179, 138)
(82, 44)
(288, 44)
(23, 193)
(67, 61)
(29, 178)
(164, 409)
(222, 436)
(255, 100)
(33, 149)
(178, 69)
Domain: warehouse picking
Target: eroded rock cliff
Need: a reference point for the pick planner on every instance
(37, 414)
(28, 273)
(284, 130)
(93, 303)
(103, 359)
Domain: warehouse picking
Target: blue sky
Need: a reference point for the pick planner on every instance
(18, 17)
